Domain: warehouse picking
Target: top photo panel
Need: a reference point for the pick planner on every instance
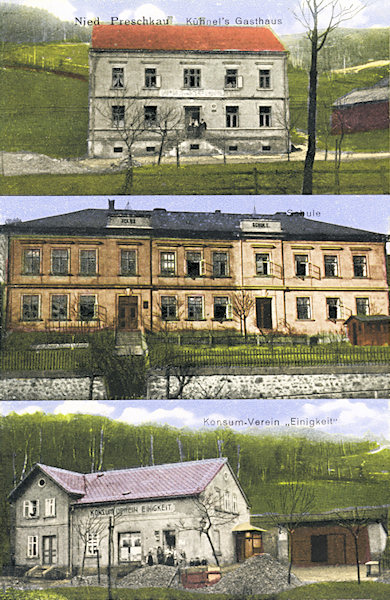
(278, 98)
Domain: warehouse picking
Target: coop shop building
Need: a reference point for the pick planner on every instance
(210, 89)
(151, 270)
(62, 516)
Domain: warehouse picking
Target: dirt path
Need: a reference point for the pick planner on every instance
(31, 163)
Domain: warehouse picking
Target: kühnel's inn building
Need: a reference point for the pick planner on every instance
(61, 516)
(205, 90)
(136, 270)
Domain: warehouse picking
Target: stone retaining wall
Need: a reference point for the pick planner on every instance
(52, 388)
(368, 383)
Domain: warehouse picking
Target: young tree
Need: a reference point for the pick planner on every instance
(290, 505)
(168, 122)
(243, 303)
(207, 516)
(355, 521)
(320, 18)
(90, 531)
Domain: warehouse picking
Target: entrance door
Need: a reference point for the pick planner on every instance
(248, 544)
(191, 115)
(264, 313)
(49, 547)
(128, 312)
(319, 548)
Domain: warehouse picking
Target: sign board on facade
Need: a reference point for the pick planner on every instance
(134, 509)
(261, 226)
(129, 221)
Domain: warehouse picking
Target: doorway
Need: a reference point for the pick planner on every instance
(127, 313)
(248, 543)
(49, 549)
(264, 313)
(319, 548)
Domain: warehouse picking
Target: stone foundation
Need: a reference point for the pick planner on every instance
(52, 388)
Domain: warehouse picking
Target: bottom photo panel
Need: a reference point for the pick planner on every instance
(243, 499)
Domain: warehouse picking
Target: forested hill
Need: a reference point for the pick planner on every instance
(24, 24)
(344, 48)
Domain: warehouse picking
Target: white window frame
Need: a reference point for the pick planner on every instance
(32, 546)
(336, 263)
(60, 273)
(128, 251)
(301, 262)
(262, 261)
(307, 306)
(234, 503)
(367, 304)
(38, 317)
(94, 309)
(265, 116)
(50, 507)
(28, 511)
(365, 265)
(201, 317)
(92, 542)
(170, 273)
(89, 250)
(117, 78)
(32, 261)
(167, 305)
(330, 305)
(226, 501)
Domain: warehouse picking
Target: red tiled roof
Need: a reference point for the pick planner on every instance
(173, 480)
(184, 37)
(71, 482)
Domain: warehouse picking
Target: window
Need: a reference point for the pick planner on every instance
(31, 509)
(59, 262)
(265, 78)
(234, 503)
(226, 502)
(168, 308)
(220, 264)
(195, 308)
(331, 266)
(32, 546)
(170, 538)
(118, 116)
(118, 78)
(118, 149)
(88, 262)
(262, 264)
(168, 263)
(218, 498)
(217, 540)
(128, 262)
(32, 262)
(231, 78)
(362, 306)
(87, 306)
(30, 308)
(265, 116)
(50, 507)
(222, 308)
(150, 115)
(333, 306)
(150, 78)
(92, 544)
(232, 116)
(59, 307)
(359, 266)
(195, 264)
(303, 308)
(191, 78)
(301, 265)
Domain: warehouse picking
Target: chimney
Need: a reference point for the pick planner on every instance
(111, 205)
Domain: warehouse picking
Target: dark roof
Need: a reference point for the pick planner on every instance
(373, 513)
(369, 318)
(184, 37)
(172, 480)
(376, 93)
(94, 221)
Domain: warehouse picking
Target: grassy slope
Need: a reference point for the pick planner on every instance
(357, 177)
(66, 57)
(42, 112)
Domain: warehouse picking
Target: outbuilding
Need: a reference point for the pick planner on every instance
(368, 330)
(362, 110)
(167, 513)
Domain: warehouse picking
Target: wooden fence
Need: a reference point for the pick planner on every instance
(46, 360)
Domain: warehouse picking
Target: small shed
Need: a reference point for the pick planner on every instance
(362, 110)
(368, 330)
(249, 541)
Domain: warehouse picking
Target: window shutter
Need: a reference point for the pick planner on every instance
(26, 509)
(37, 512)
(229, 311)
(158, 81)
(202, 267)
(240, 81)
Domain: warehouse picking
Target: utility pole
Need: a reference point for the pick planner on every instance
(110, 530)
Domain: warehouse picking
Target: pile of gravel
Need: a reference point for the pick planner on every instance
(258, 575)
(154, 576)
(385, 577)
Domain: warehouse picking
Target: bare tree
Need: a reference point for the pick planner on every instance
(290, 505)
(288, 121)
(168, 122)
(355, 521)
(90, 530)
(242, 305)
(208, 514)
(310, 14)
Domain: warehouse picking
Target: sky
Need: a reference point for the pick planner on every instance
(226, 12)
(356, 418)
(363, 212)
